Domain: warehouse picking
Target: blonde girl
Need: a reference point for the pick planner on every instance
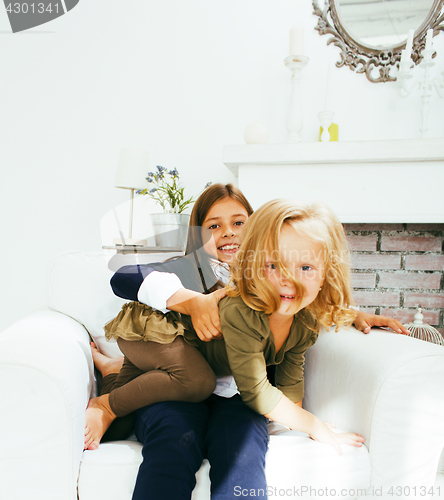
(289, 279)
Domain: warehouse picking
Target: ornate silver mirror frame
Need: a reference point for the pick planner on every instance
(363, 59)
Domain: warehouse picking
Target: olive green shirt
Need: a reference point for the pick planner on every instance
(248, 348)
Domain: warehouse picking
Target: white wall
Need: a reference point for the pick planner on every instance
(184, 77)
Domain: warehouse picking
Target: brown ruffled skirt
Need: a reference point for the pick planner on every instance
(137, 321)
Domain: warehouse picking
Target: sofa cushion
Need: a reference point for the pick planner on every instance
(298, 466)
(78, 286)
(294, 463)
(109, 472)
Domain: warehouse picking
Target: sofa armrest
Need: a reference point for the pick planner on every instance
(47, 375)
(390, 389)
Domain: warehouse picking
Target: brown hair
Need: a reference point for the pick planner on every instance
(261, 236)
(203, 204)
(211, 195)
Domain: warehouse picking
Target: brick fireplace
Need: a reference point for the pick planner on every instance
(396, 268)
(388, 195)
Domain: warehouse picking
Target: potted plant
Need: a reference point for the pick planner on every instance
(171, 226)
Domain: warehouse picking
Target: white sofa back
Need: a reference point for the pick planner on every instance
(78, 286)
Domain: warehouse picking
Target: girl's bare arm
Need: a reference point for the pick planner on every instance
(295, 417)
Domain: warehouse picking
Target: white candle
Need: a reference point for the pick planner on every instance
(405, 62)
(297, 41)
(409, 44)
(404, 57)
(429, 38)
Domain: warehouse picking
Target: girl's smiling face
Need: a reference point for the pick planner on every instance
(304, 259)
(222, 229)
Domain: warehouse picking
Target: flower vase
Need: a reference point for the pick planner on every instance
(170, 230)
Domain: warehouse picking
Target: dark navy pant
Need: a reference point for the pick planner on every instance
(177, 436)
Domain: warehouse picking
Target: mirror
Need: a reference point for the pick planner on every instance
(372, 33)
(382, 24)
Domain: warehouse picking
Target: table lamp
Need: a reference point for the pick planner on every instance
(131, 174)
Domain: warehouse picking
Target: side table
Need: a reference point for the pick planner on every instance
(123, 255)
(134, 249)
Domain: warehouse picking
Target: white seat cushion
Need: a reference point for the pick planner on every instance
(110, 472)
(295, 463)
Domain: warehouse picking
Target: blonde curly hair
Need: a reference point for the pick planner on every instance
(261, 238)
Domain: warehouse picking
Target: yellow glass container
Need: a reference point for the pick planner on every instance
(333, 130)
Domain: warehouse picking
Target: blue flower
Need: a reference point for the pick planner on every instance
(166, 189)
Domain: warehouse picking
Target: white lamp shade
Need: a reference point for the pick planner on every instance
(132, 170)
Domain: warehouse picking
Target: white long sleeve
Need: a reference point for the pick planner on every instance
(157, 288)
(226, 387)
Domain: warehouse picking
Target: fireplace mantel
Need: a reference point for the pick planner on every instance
(371, 181)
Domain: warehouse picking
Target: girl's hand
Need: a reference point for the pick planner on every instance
(204, 312)
(324, 434)
(365, 321)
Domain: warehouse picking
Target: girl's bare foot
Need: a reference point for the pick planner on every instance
(103, 363)
(98, 418)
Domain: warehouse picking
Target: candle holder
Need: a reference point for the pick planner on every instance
(326, 119)
(424, 85)
(295, 120)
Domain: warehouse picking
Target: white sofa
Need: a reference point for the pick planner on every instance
(387, 387)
